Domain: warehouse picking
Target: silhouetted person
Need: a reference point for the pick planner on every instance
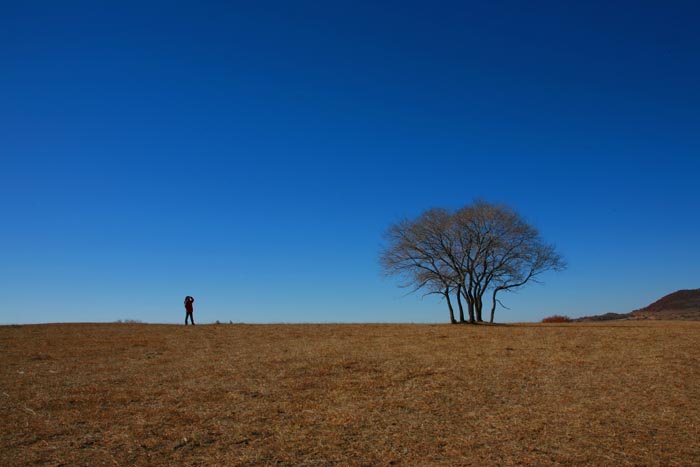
(188, 307)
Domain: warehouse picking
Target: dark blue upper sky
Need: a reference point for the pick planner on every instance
(253, 153)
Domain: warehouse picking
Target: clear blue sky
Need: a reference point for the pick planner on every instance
(252, 154)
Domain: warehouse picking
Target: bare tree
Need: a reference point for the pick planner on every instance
(481, 247)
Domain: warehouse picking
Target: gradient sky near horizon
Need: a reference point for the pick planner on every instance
(252, 154)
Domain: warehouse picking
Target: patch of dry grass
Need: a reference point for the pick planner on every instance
(620, 394)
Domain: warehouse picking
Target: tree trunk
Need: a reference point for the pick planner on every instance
(478, 305)
(449, 305)
(493, 305)
(470, 306)
(459, 303)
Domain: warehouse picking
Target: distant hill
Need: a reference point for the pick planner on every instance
(684, 304)
(680, 305)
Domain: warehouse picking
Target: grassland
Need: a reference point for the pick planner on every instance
(620, 394)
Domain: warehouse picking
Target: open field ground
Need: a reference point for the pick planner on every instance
(613, 394)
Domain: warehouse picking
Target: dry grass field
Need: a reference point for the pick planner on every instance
(598, 394)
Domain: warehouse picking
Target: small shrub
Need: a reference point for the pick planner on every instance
(557, 319)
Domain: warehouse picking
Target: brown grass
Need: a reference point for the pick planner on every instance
(622, 394)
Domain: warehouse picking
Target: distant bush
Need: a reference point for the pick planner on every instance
(557, 319)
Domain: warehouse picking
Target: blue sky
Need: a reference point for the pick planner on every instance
(252, 154)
